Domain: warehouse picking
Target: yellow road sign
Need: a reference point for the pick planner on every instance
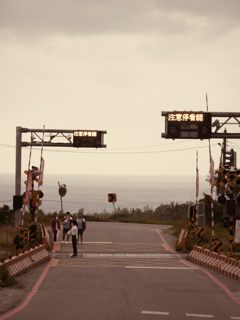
(112, 197)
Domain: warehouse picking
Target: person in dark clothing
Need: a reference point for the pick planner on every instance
(74, 233)
(55, 226)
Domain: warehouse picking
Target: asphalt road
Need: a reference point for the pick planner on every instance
(127, 271)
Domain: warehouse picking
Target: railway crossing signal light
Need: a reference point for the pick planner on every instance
(226, 222)
(229, 159)
(222, 199)
(187, 125)
(231, 207)
(17, 202)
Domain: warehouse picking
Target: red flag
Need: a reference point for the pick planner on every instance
(212, 179)
(28, 188)
(41, 172)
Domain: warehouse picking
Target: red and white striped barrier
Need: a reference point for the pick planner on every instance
(218, 262)
(26, 261)
(45, 236)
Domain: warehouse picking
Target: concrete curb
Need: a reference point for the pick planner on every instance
(218, 262)
(26, 261)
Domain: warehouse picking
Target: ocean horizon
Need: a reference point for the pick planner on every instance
(90, 192)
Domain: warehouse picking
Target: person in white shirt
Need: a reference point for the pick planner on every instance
(74, 233)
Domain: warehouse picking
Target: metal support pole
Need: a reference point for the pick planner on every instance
(193, 219)
(59, 186)
(224, 147)
(18, 172)
(212, 217)
(230, 233)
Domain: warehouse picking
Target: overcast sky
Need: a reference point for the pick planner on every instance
(114, 66)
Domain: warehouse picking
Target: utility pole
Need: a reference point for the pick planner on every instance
(18, 172)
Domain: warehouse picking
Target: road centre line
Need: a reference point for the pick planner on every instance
(164, 268)
(96, 242)
(155, 312)
(187, 314)
(70, 242)
(199, 315)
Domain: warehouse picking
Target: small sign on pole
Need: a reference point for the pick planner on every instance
(112, 197)
(62, 192)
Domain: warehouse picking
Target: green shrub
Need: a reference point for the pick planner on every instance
(6, 280)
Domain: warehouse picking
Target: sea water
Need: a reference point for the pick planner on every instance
(90, 192)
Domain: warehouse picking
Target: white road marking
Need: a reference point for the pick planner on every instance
(155, 312)
(173, 268)
(199, 315)
(95, 242)
(82, 243)
(187, 314)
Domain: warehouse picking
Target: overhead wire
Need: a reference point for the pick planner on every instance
(109, 151)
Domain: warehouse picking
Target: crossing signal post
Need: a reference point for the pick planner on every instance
(231, 178)
(187, 125)
(191, 220)
(199, 234)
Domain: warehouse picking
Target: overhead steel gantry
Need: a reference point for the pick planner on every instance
(219, 125)
(56, 138)
(199, 125)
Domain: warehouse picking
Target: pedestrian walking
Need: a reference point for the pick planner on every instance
(67, 225)
(81, 226)
(55, 224)
(74, 233)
